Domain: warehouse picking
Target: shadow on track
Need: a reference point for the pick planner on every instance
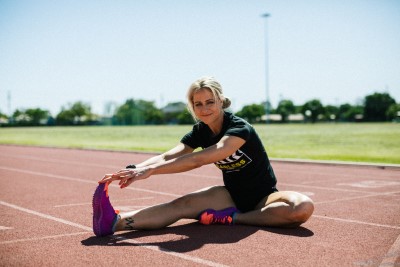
(189, 237)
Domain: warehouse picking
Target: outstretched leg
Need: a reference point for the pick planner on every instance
(283, 209)
(185, 207)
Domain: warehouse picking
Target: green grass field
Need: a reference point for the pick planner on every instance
(360, 142)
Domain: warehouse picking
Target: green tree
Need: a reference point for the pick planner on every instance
(376, 106)
(19, 118)
(331, 113)
(3, 118)
(313, 109)
(38, 116)
(348, 112)
(30, 117)
(151, 114)
(174, 113)
(342, 112)
(82, 111)
(78, 113)
(252, 113)
(185, 117)
(138, 112)
(393, 112)
(285, 108)
(129, 113)
(65, 117)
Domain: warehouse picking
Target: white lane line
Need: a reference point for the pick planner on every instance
(322, 188)
(85, 181)
(339, 175)
(390, 259)
(90, 203)
(5, 228)
(62, 161)
(46, 216)
(357, 222)
(102, 165)
(41, 238)
(321, 173)
(371, 184)
(358, 197)
(172, 253)
(89, 229)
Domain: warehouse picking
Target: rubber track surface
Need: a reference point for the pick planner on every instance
(45, 202)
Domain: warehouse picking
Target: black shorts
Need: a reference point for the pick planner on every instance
(248, 201)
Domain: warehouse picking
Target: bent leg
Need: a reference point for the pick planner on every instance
(284, 209)
(188, 207)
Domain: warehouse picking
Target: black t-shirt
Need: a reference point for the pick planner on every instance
(246, 173)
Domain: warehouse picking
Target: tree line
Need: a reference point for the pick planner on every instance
(376, 107)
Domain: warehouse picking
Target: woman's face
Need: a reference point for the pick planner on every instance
(206, 107)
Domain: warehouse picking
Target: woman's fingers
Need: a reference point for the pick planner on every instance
(106, 178)
(127, 183)
(125, 177)
(122, 174)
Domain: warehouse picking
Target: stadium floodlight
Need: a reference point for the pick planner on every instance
(267, 100)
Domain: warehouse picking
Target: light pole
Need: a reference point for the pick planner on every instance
(267, 103)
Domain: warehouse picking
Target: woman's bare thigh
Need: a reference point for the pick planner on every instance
(214, 197)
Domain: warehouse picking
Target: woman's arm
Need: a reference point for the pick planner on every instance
(185, 162)
(177, 151)
(223, 149)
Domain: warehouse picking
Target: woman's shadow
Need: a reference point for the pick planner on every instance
(192, 236)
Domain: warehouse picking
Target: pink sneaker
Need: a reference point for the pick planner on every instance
(211, 216)
(104, 215)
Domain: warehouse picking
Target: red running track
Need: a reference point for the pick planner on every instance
(46, 195)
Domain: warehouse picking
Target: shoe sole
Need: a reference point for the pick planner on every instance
(97, 210)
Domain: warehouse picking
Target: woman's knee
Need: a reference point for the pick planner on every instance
(302, 211)
(300, 207)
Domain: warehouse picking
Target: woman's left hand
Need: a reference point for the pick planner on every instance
(126, 176)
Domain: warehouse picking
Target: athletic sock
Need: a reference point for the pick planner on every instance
(117, 219)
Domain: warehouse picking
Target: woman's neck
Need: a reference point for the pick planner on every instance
(216, 126)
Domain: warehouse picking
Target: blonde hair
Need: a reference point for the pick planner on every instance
(211, 84)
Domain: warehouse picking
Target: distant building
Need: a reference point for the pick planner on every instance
(176, 107)
(272, 117)
(296, 117)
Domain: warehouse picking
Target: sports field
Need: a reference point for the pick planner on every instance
(359, 142)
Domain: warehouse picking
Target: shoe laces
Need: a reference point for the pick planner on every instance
(222, 219)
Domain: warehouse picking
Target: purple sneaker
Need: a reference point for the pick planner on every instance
(104, 215)
(211, 216)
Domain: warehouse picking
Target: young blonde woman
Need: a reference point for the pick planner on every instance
(249, 195)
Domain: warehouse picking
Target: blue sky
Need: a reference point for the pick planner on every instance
(57, 52)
